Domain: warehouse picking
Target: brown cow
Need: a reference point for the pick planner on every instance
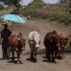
(50, 42)
(17, 43)
(54, 45)
(63, 41)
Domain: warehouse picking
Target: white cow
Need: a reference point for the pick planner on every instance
(34, 43)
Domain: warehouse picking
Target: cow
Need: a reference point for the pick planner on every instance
(63, 42)
(50, 42)
(34, 43)
(54, 45)
(17, 43)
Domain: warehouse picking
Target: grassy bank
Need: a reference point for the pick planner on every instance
(7, 11)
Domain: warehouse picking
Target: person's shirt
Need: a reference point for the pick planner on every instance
(5, 34)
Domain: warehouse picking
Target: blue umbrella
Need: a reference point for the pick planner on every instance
(14, 18)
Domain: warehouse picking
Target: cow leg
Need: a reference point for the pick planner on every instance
(59, 54)
(55, 54)
(35, 53)
(48, 54)
(18, 55)
(19, 61)
(62, 52)
(13, 56)
(31, 49)
(52, 55)
(32, 55)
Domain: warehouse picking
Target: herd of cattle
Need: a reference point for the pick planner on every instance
(53, 42)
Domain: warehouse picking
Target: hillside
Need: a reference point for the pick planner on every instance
(53, 12)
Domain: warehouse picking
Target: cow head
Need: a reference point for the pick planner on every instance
(37, 40)
(63, 40)
(61, 45)
(19, 35)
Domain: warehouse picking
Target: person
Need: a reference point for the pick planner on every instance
(5, 34)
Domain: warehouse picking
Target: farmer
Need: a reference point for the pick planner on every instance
(5, 34)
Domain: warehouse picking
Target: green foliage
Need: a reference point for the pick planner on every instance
(14, 2)
(63, 17)
(57, 13)
(1, 7)
(7, 11)
(68, 4)
(33, 8)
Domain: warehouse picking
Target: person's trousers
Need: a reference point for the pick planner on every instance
(5, 50)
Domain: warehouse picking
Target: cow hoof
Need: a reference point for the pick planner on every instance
(59, 57)
(20, 62)
(48, 60)
(12, 60)
(34, 60)
(53, 61)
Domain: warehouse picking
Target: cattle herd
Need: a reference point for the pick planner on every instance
(53, 42)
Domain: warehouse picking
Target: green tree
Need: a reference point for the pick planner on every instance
(68, 4)
(34, 8)
(13, 2)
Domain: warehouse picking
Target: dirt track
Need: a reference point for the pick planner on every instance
(42, 26)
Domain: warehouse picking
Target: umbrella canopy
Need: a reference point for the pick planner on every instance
(14, 18)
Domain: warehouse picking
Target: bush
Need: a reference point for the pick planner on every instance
(60, 16)
(1, 7)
